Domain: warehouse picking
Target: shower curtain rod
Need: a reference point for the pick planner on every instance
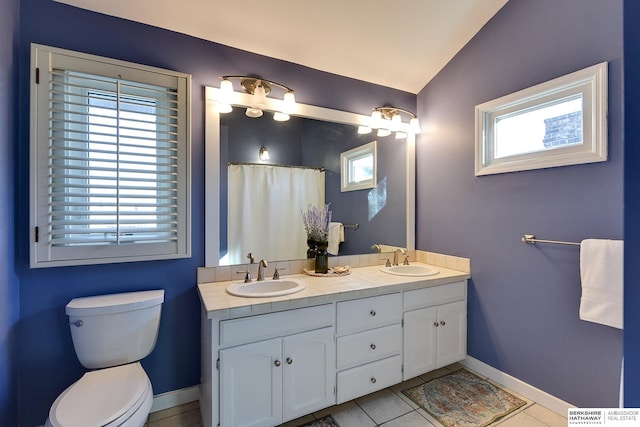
(531, 239)
(321, 169)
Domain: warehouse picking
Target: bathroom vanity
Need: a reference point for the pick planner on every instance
(266, 361)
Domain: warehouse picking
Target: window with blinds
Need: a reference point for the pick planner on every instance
(110, 181)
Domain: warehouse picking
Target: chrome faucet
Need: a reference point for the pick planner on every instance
(395, 255)
(261, 266)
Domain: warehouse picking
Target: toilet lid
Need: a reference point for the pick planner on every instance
(100, 397)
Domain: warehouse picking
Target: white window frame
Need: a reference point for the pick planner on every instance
(589, 83)
(347, 157)
(44, 60)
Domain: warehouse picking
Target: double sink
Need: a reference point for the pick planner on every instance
(279, 287)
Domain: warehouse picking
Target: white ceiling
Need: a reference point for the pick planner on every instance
(396, 43)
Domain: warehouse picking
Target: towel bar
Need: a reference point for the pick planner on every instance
(531, 239)
(354, 226)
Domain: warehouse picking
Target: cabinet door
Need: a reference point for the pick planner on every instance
(309, 372)
(251, 385)
(452, 333)
(420, 333)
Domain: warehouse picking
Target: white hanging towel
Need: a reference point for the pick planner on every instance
(601, 267)
(336, 235)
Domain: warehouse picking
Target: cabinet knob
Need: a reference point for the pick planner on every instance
(442, 323)
(436, 324)
(373, 346)
(373, 380)
(277, 363)
(372, 312)
(289, 361)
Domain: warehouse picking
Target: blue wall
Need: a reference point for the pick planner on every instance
(9, 290)
(524, 300)
(632, 202)
(47, 363)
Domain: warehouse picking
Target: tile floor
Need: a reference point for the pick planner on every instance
(387, 408)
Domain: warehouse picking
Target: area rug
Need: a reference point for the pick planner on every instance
(462, 399)
(327, 421)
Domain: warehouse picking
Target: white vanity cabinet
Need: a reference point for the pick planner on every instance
(263, 369)
(369, 345)
(268, 382)
(435, 335)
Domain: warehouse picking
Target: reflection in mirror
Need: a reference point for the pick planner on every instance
(313, 146)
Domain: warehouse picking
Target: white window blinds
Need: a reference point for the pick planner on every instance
(111, 143)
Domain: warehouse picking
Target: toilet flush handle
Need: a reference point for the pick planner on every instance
(77, 323)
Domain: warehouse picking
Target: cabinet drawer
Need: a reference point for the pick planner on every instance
(436, 295)
(365, 379)
(367, 346)
(367, 313)
(264, 326)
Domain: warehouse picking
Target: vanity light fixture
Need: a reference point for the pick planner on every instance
(264, 154)
(259, 88)
(388, 120)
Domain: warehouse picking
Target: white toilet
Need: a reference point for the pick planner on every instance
(110, 333)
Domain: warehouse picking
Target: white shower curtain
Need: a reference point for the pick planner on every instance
(265, 204)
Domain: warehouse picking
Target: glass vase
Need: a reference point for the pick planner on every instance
(311, 252)
(322, 258)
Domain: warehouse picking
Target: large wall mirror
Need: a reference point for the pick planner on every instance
(310, 142)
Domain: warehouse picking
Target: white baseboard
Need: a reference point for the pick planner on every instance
(175, 398)
(530, 392)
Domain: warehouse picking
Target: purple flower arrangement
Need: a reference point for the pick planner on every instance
(316, 223)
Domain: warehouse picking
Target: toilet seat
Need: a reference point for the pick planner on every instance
(106, 397)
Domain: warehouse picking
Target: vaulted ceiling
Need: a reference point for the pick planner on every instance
(401, 44)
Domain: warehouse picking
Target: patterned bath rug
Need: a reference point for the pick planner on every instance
(462, 399)
(327, 421)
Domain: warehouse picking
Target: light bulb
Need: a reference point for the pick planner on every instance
(289, 102)
(280, 117)
(363, 130)
(226, 86)
(253, 112)
(396, 121)
(259, 97)
(383, 132)
(264, 154)
(401, 135)
(414, 125)
(226, 92)
(376, 119)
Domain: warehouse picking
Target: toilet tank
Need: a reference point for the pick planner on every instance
(111, 330)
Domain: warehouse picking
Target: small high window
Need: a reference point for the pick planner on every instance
(557, 123)
(359, 167)
(110, 161)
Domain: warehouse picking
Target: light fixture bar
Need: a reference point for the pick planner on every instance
(387, 120)
(259, 88)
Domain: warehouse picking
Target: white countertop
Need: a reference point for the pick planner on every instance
(362, 282)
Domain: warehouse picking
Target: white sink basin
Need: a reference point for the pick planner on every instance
(266, 288)
(410, 270)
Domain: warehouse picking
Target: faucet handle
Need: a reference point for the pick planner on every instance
(247, 277)
(276, 275)
(406, 260)
(388, 263)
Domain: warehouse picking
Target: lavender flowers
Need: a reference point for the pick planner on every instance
(316, 223)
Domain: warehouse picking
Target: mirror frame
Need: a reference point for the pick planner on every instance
(212, 162)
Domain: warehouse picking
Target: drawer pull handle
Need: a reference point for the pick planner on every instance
(289, 361)
(373, 346)
(277, 363)
(373, 380)
(442, 323)
(436, 324)
(372, 312)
